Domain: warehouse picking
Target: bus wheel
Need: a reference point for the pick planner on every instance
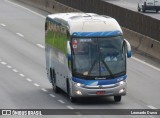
(117, 98)
(54, 86)
(72, 99)
(143, 9)
(139, 9)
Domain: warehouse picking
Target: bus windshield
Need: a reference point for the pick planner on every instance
(98, 57)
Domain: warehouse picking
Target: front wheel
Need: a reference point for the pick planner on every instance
(143, 9)
(54, 85)
(139, 9)
(117, 98)
(72, 99)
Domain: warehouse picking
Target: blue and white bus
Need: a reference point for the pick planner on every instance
(86, 55)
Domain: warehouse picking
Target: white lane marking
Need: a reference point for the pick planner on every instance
(69, 107)
(52, 95)
(151, 107)
(79, 114)
(21, 75)
(28, 79)
(84, 117)
(3, 25)
(41, 46)
(146, 64)
(14, 70)
(44, 90)
(35, 84)
(8, 66)
(19, 34)
(25, 8)
(61, 101)
(4, 63)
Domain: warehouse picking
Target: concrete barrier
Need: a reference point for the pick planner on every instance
(154, 49)
(144, 44)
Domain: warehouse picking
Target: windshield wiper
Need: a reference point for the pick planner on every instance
(106, 66)
(110, 72)
(92, 67)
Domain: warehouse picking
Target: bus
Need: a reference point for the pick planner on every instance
(86, 55)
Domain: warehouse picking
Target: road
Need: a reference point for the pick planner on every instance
(132, 5)
(24, 84)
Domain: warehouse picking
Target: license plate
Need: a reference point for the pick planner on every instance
(100, 92)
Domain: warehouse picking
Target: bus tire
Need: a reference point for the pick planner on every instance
(54, 85)
(72, 99)
(143, 9)
(139, 9)
(117, 98)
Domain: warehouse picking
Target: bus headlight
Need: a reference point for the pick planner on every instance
(122, 90)
(78, 92)
(121, 83)
(78, 84)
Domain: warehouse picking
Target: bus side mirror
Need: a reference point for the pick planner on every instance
(128, 48)
(68, 50)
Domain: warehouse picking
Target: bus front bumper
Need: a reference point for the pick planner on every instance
(93, 91)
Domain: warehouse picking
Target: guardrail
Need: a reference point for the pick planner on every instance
(132, 20)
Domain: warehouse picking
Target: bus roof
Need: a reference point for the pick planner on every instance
(85, 22)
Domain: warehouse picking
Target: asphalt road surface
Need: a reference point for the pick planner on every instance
(133, 5)
(23, 81)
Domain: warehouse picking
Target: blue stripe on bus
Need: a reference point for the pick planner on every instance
(99, 82)
(94, 34)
